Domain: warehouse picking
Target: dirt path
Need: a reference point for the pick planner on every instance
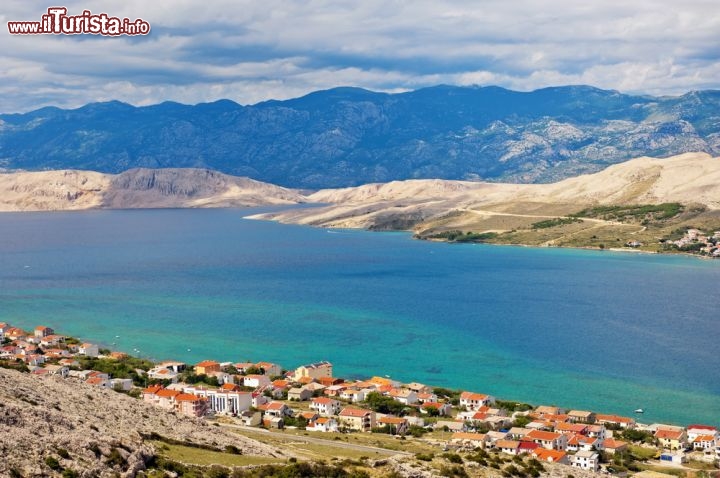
(319, 441)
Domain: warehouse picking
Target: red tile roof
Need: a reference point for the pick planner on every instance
(542, 435)
(353, 412)
(669, 434)
(473, 396)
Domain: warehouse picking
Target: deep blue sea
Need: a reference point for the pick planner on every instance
(605, 331)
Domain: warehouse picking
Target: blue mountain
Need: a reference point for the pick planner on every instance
(350, 136)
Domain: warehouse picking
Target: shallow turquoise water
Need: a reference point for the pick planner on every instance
(606, 331)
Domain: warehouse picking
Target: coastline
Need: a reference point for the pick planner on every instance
(107, 352)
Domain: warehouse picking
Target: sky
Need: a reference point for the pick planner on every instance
(251, 51)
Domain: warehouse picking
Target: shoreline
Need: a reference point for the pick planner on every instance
(350, 378)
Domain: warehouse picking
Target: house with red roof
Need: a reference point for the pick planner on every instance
(578, 442)
(43, 331)
(694, 431)
(357, 419)
(671, 439)
(548, 440)
(323, 424)
(550, 456)
(473, 401)
(396, 425)
(612, 446)
(622, 422)
(191, 405)
(704, 442)
(326, 406)
(443, 409)
(206, 367)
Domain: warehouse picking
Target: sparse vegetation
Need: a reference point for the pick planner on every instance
(643, 213)
(459, 236)
(557, 221)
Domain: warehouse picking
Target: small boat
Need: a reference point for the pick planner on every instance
(639, 410)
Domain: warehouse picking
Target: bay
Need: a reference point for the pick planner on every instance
(605, 331)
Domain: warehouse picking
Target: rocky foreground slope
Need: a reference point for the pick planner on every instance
(100, 431)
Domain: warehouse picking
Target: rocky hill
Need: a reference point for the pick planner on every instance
(692, 178)
(137, 188)
(349, 136)
(92, 431)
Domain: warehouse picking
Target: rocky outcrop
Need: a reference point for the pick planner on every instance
(136, 188)
(48, 424)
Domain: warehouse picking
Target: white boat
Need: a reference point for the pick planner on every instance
(639, 410)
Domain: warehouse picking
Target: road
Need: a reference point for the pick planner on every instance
(318, 441)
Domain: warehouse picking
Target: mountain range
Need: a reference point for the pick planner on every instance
(349, 136)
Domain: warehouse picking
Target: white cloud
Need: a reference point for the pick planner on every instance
(250, 51)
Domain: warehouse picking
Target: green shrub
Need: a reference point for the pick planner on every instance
(52, 463)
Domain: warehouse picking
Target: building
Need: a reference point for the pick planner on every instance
(548, 440)
(396, 425)
(443, 409)
(694, 431)
(42, 331)
(511, 447)
(705, 443)
(581, 416)
(612, 446)
(586, 460)
(470, 440)
(326, 406)
(206, 367)
(622, 422)
(89, 350)
(473, 401)
(162, 373)
(357, 419)
(314, 370)
(404, 396)
(191, 405)
(323, 424)
(270, 369)
(225, 401)
(671, 439)
(300, 394)
(551, 456)
(256, 381)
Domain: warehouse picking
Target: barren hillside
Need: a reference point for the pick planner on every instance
(101, 430)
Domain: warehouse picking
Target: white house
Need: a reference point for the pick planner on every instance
(405, 396)
(473, 401)
(586, 460)
(256, 381)
(323, 424)
(325, 406)
(162, 373)
(89, 350)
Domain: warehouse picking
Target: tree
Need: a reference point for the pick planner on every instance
(382, 404)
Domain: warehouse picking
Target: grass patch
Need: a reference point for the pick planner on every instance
(459, 236)
(199, 456)
(644, 212)
(642, 453)
(554, 222)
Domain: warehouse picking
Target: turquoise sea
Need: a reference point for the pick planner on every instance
(605, 331)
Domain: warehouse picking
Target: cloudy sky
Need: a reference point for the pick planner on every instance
(251, 51)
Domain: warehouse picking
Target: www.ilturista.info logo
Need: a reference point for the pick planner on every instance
(58, 22)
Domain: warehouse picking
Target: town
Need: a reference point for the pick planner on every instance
(310, 397)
